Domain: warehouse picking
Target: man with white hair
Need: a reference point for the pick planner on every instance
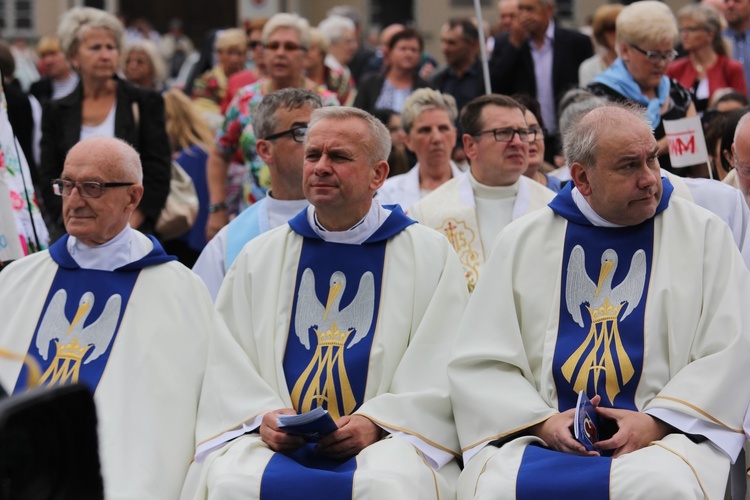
(351, 308)
(107, 308)
(623, 292)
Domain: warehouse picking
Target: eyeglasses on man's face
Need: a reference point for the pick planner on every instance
(507, 134)
(655, 56)
(87, 189)
(297, 133)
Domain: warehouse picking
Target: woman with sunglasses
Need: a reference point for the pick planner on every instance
(706, 68)
(646, 33)
(603, 26)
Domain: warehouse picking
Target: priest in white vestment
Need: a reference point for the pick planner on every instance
(471, 210)
(351, 307)
(107, 308)
(626, 293)
(280, 124)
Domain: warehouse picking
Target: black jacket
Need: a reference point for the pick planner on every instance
(61, 130)
(512, 69)
(369, 90)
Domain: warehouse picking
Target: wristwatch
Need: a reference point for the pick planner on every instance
(215, 207)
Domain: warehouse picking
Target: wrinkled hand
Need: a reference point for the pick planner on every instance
(215, 222)
(354, 435)
(275, 438)
(556, 431)
(636, 430)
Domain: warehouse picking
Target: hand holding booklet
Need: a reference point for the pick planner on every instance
(311, 425)
(586, 423)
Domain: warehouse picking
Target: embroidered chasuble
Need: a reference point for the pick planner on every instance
(80, 319)
(334, 318)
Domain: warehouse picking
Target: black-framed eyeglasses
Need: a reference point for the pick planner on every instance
(254, 44)
(297, 133)
(87, 189)
(506, 134)
(656, 57)
(538, 132)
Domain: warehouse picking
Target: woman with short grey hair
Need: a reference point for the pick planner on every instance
(646, 34)
(103, 105)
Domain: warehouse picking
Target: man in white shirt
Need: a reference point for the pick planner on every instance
(471, 210)
(280, 121)
(353, 308)
(625, 292)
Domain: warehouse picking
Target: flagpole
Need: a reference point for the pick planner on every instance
(483, 48)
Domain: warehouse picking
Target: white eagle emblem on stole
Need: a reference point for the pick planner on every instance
(332, 326)
(604, 306)
(72, 340)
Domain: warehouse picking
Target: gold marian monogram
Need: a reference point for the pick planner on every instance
(462, 239)
(602, 334)
(325, 381)
(329, 356)
(66, 365)
(602, 352)
(73, 341)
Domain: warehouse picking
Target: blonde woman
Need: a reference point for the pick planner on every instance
(210, 87)
(190, 138)
(103, 105)
(143, 66)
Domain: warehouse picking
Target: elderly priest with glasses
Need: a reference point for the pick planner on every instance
(107, 308)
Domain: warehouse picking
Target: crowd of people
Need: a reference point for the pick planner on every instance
(507, 251)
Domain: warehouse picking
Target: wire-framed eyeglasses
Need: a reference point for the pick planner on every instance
(297, 133)
(87, 189)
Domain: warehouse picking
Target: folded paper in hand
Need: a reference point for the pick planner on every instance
(312, 425)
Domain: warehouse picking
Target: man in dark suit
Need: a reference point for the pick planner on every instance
(540, 59)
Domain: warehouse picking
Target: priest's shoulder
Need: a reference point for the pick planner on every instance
(424, 239)
(692, 216)
(434, 199)
(273, 238)
(26, 264)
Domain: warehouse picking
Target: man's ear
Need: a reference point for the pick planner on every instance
(135, 193)
(580, 178)
(380, 173)
(264, 149)
(470, 144)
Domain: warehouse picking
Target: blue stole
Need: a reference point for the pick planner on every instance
(600, 339)
(326, 361)
(243, 228)
(81, 318)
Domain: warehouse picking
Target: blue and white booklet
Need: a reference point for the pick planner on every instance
(311, 425)
(586, 424)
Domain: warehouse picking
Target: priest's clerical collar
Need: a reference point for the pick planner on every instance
(121, 250)
(588, 212)
(355, 235)
(492, 192)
